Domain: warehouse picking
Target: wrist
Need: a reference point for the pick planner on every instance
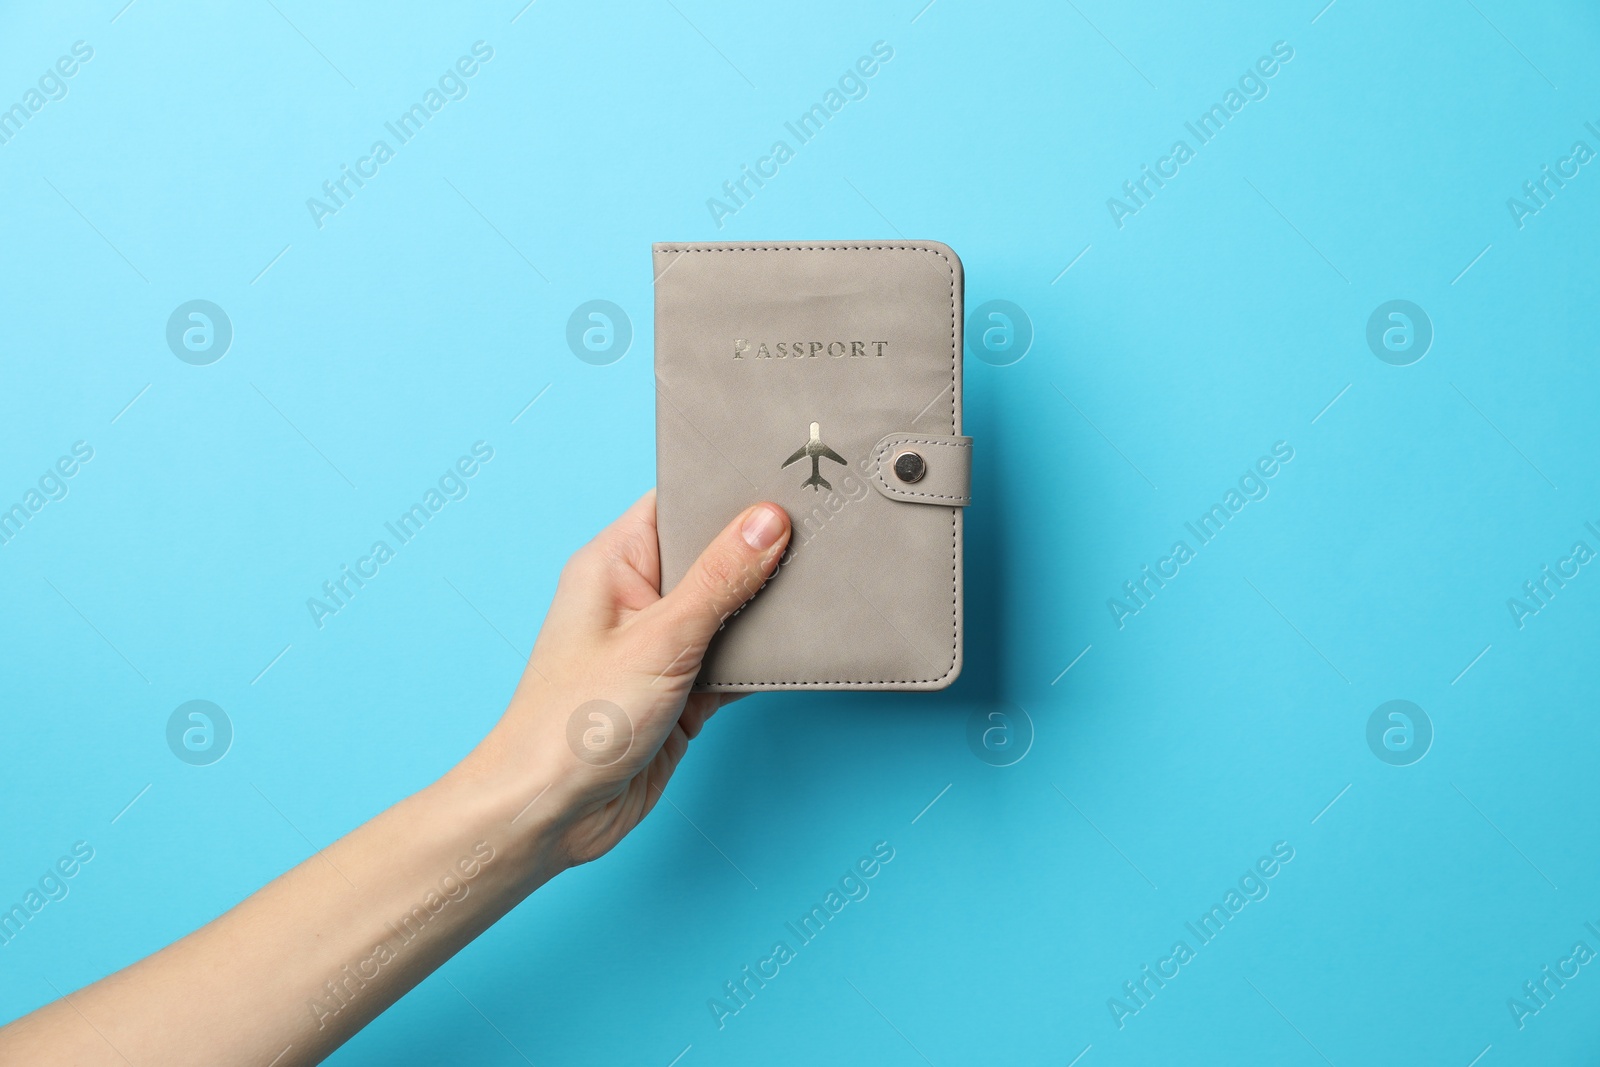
(511, 806)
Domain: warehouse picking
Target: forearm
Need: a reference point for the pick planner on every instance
(593, 733)
(319, 952)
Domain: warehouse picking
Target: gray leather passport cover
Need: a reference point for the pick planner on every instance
(799, 373)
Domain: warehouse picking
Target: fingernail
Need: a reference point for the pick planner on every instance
(761, 528)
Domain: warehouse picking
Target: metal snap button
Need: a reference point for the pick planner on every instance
(909, 467)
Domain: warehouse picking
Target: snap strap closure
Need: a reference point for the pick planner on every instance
(924, 469)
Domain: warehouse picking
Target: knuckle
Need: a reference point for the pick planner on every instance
(580, 566)
(665, 654)
(721, 575)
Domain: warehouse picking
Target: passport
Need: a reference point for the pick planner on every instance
(824, 377)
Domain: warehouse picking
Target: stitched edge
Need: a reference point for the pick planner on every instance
(901, 439)
(955, 513)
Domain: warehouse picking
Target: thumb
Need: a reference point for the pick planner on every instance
(727, 574)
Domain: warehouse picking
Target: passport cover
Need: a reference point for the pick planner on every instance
(825, 377)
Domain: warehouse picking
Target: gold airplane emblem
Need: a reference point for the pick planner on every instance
(815, 449)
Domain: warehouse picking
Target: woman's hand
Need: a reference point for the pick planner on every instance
(603, 712)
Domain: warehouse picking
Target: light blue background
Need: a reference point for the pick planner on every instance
(1223, 317)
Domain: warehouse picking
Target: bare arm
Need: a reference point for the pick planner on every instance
(596, 727)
